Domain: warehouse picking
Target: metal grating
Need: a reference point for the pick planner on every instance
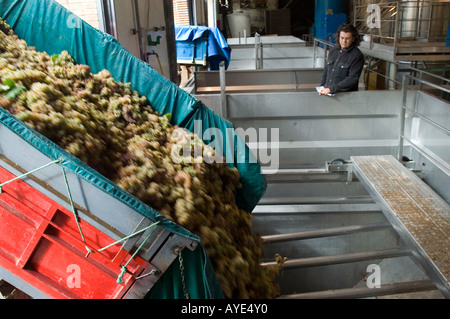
(420, 215)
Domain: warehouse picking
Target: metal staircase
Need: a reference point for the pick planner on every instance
(331, 230)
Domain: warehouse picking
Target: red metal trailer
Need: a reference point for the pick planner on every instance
(40, 243)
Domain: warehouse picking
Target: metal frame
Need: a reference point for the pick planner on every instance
(404, 108)
(392, 193)
(393, 12)
(267, 53)
(326, 48)
(389, 44)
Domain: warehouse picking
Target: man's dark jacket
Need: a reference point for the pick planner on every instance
(343, 69)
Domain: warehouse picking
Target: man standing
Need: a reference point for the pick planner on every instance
(344, 64)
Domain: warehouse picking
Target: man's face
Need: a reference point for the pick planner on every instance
(345, 39)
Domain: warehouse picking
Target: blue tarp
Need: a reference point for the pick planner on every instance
(218, 49)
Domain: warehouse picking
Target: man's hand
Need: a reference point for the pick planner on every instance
(325, 91)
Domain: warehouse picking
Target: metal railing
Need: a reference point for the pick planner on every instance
(258, 52)
(430, 77)
(317, 43)
(417, 84)
(405, 67)
(388, 22)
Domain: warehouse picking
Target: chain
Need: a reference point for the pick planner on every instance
(183, 281)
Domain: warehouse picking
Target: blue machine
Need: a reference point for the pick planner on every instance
(328, 15)
(198, 45)
(330, 23)
(192, 51)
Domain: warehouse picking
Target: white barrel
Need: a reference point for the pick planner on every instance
(239, 22)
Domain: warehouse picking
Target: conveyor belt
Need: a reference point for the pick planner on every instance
(420, 215)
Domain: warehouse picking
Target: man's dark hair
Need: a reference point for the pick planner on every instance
(349, 28)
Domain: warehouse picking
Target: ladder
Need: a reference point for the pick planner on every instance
(336, 223)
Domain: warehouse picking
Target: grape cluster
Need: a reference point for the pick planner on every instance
(114, 130)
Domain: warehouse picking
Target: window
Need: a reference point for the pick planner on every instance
(181, 12)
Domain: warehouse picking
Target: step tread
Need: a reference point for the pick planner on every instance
(364, 292)
(328, 232)
(342, 258)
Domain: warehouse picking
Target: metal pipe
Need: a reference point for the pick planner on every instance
(295, 80)
(214, 5)
(261, 58)
(428, 73)
(314, 53)
(194, 12)
(316, 209)
(433, 85)
(137, 24)
(170, 37)
(341, 259)
(223, 94)
(316, 200)
(402, 119)
(397, 22)
(363, 292)
(257, 43)
(336, 231)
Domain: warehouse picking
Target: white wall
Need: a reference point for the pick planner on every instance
(125, 23)
(151, 16)
(85, 9)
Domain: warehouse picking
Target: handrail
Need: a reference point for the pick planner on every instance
(399, 20)
(436, 86)
(411, 69)
(326, 46)
(428, 73)
(402, 138)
